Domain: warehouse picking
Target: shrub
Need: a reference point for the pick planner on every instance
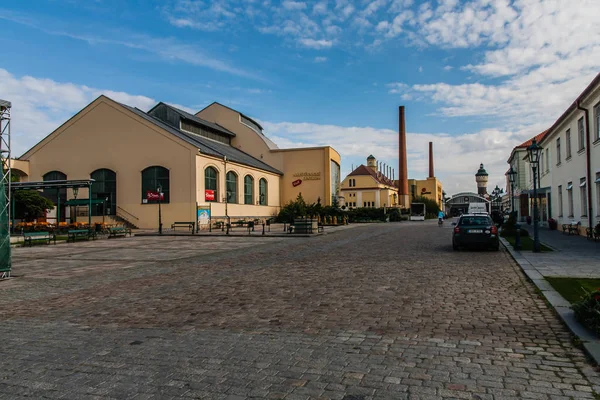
(431, 206)
(587, 310)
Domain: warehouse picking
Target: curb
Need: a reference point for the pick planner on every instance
(590, 342)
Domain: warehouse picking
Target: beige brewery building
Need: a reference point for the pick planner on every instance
(217, 157)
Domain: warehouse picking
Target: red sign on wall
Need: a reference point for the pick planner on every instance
(297, 182)
(209, 195)
(154, 196)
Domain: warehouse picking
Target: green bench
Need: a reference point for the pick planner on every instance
(188, 225)
(119, 231)
(76, 234)
(30, 237)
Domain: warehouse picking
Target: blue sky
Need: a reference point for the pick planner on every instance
(476, 77)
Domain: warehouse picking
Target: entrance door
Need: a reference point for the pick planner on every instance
(104, 188)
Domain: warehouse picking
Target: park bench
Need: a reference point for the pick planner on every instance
(320, 228)
(118, 231)
(593, 233)
(30, 237)
(188, 225)
(571, 228)
(75, 234)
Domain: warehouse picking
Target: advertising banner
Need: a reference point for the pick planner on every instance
(203, 216)
(154, 196)
(209, 195)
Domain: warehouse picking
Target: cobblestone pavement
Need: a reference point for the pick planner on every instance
(384, 311)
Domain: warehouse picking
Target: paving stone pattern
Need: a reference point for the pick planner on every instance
(384, 311)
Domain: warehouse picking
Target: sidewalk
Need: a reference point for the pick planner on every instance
(573, 256)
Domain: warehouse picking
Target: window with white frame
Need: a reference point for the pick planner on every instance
(560, 201)
(597, 119)
(583, 194)
(570, 198)
(568, 134)
(581, 132)
(547, 160)
(597, 181)
(557, 151)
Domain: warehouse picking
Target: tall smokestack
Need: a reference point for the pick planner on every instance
(403, 165)
(431, 174)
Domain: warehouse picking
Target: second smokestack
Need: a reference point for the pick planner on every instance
(431, 172)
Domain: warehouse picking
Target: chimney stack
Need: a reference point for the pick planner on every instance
(403, 165)
(431, 174)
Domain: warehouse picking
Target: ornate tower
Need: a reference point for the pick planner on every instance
(372, 162)
(482, 179)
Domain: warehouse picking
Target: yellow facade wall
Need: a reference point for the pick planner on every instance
(364, 190)
(103, 135)
(238, 209)
(430, 188)
(299, 164)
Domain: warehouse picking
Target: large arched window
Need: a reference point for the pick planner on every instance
(104, 188)
(248, 190)
(211, 183)
(262, 191)
(231, 184)
(152, 178)
(54, 194)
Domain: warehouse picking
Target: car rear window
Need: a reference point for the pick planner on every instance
(483, 221)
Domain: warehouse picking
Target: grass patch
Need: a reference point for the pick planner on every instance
(571, 288)
(526, 244)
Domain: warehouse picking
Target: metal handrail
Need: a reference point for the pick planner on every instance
(127, 212)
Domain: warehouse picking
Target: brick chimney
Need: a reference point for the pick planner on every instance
(403, 165)
(431, 174)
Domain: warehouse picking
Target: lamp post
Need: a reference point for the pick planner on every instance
(512, 176)
(534, 158)
(226, 193)
(75, 192)
(159, 190)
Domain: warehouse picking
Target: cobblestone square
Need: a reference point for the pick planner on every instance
(379, 311)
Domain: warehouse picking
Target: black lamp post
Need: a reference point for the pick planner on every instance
(159, 190)
(512, 176)
(227, 194)
(534, 152)
(75, 192)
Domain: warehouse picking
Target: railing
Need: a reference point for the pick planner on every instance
(127, 217)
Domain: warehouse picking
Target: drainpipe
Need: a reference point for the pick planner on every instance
(588, 160)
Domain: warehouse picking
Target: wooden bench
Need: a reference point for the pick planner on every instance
(593, 233)
(320, 228)
(30, 237)
(572, 228)
(75, 234)
(118, 231)
(188, 225)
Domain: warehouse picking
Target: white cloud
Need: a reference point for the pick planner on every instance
(448, 68)
(293, 5)
(316, 44)
(320, 59)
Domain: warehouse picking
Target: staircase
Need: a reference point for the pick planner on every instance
(126, 218)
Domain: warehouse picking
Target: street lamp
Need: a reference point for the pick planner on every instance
(75, 192)
(159, 190)
(512, 177)
(534, 152)
(226, 193)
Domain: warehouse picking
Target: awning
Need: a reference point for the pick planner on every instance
(540, 191)
(83, 202)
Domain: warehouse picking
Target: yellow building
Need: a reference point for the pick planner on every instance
(430, 188)
(366, 186)
(218, 157)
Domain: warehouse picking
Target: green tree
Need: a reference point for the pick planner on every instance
(30, 204)
(431, 206)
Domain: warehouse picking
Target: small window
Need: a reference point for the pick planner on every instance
(597, 119)
(583, 194)
(211, 182)
(153, 178)
(581, 131)
(558, 151)
(597, 182)
(568, 134)
(570, 199)
(248, 190)
(231, 183)
(560, 201)
(263, 191)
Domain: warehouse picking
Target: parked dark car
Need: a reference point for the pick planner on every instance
(475, 230)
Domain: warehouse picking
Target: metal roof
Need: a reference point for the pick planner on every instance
(191, 117)
(207, 146)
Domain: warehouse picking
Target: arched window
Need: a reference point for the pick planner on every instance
(262, 191)
(248, 190)
(104, 188)
(152, 178)
(54, 194)
(211, 183)
(231, 182)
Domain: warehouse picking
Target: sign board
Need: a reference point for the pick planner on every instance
(209, 195)
(203, 217)
(154, 196)
(297, 182)
(477, 208)
(308, 176)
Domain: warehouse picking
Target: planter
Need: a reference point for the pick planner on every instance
(305, 225)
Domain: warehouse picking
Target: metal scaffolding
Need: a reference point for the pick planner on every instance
(5, 174)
